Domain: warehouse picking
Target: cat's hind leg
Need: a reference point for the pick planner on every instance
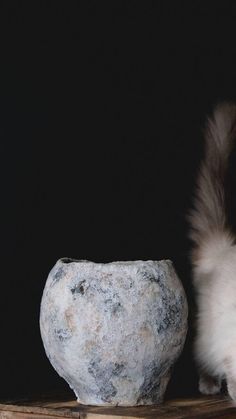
(209, 385)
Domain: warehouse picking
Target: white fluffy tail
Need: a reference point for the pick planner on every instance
(208, 218)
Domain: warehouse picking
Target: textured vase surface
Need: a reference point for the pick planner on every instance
(113, 331)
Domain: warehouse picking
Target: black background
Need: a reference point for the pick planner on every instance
(102, 109)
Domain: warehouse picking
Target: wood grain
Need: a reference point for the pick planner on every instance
(202, 407)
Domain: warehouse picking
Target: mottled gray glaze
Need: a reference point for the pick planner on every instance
(113, 331)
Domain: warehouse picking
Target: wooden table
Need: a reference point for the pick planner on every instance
(202, 407)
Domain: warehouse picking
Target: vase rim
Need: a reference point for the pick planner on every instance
(67, 260)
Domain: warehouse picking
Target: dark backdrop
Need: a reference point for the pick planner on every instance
(102, 109)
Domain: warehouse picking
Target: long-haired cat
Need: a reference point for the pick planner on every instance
(214, 260)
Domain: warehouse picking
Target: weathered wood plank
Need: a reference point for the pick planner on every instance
(203, 407)
(24, 415)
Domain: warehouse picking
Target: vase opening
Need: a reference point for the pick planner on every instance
(68, 260)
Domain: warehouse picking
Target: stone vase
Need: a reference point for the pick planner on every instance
(113, 331)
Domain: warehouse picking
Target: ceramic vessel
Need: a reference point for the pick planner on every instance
(113, 331)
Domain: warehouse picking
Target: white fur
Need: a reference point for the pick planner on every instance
(216, 323)
(215, 264)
